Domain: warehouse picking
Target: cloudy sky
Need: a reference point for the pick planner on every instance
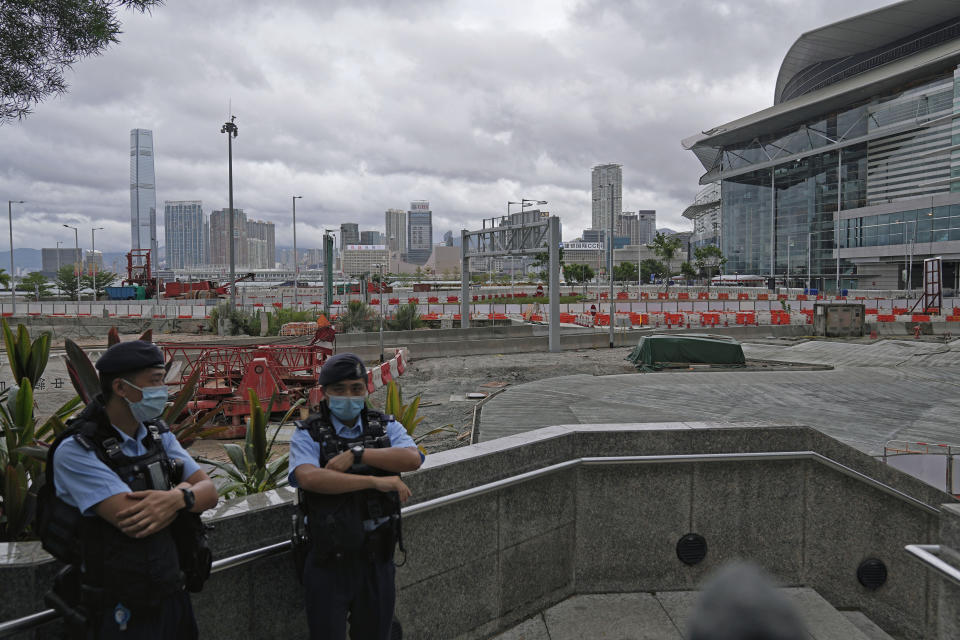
(363, 105)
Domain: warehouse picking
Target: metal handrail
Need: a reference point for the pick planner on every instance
(927, 554)
(33, 620)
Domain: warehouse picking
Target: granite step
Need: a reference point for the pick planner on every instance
(664, 616)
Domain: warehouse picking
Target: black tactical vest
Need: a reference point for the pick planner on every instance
(114, 567)
(336, 522)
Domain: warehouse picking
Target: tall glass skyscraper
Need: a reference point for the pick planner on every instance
(607, 189)
(419, 232)
(143, 193)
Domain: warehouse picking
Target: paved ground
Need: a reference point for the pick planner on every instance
(888, 389)
(665, 615)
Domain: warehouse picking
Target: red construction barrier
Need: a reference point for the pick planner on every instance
(433, 300)
(683, 296)
(536, 317)
(393, 301)
(885, 317)
(603, 295)
(703, 295)
(920, 317)
(723, 296)
(708, 319)
(622, 295)
(746, 318)
(453, 299)
(673, 318)
(743, 296)
(430, 316)
(602, 320)
(385, 374)
(638, 319)
(375, 302)
(871, 312)
(900, 311)
(567, 318)
(644, 295)
(953, 318)
(413, 300)
(663, 295)
(763, 296)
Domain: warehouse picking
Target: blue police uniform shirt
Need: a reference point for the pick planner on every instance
(82, 480)
(305, 450)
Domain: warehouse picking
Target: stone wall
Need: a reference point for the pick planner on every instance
(479, 563)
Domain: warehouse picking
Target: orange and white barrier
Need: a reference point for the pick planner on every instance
(381, 375)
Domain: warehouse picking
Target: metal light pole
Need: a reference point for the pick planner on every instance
(613, 308)
(327, 271)
(76, 249)
(786, 279)
(93, 258)
(809, 236)
(296, 258)
(13, 283)
(381, 309)
(59, 242)
(230, 129)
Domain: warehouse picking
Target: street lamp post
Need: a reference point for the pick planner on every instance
(327, 270)
(13, 284)
(76, 250)
(59, 242)
(380, 288)
(230, 128)
(93, 258)
(296, 258)
(612, 307)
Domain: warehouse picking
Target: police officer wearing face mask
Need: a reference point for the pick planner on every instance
(121, 468)
(346, 460)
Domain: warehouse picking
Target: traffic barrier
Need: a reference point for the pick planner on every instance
(919, 317)
(453, 299)
(602, 320)
(886, 317)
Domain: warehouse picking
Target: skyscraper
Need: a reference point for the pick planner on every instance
(395, 226)
(143, 193)
(647, 219)
(261, 245)
(184, 226)
(349, 234)
(419, 232)
(371, 237)
(607, 182)
(220, 234)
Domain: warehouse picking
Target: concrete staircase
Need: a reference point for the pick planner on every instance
(664, 615)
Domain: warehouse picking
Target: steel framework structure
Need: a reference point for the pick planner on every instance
(502, 237)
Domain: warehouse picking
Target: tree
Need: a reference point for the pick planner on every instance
(708, 261)
(688, 271)
(35, 282)
(542, 259)
(665, 248)
(67, 281)
(104, 279)
(357, 318)
(578, 273)
(625, 272)
(39, 41)
(418, 274)
(4, 278)
(406, 316)
(652, 267)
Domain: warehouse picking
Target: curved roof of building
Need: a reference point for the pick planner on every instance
(860, 34)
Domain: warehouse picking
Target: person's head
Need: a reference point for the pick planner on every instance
(131, 376)
(344, 381)
(741, 602)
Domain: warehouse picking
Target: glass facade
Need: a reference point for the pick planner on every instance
(143, 193)
(893, 147)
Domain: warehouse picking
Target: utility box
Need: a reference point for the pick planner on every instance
(838, 320)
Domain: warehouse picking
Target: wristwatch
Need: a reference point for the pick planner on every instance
(188, 499)
(357, 453)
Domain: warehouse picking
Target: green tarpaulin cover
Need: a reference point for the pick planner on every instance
(654, 351)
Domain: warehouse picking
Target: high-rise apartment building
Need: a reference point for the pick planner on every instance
(395, 226)
(419, 232)
(184, 226)
(220, 237)
(143, 193)
(647, 226)
(349, 234)
(261, 245)
(607, 188)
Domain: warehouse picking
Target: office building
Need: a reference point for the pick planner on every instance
(855, 159)
(395, 226)
(220, 234)
(419, 232)
(184, 226)
(91, 260)
(360, 259)
(143, 193)
(646, 226)
(607, 189)
(53, 259)
(349, 234)
(705, 215)
(371, 237)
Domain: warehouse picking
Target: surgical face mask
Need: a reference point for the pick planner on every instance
(152, 403)
(347, 408)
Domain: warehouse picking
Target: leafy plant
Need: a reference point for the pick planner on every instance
(250, 469)
(405, 317)
(357, 318)
(27, 358)
(406, 414)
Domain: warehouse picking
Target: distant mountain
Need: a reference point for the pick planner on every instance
(666, 231)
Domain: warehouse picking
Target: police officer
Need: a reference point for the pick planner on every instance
(346, 461)
(132, 586)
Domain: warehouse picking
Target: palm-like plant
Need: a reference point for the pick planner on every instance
(406, 414)
(250, 469)
(405, 317)
(357, 318)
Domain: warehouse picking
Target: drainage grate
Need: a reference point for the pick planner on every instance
(872, 573)
(691, 549)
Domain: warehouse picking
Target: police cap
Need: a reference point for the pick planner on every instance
(134, 355)
(343, 366)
